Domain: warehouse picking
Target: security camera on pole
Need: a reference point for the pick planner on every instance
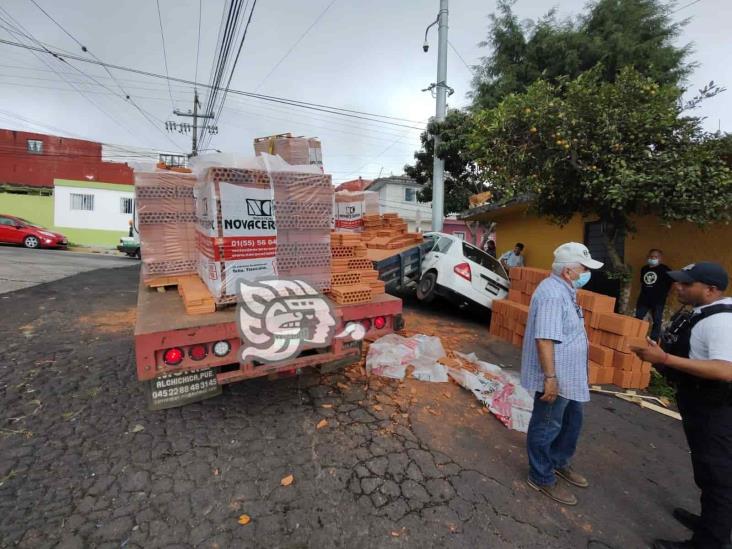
(441, 88)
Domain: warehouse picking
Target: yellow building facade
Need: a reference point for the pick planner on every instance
(682, 243)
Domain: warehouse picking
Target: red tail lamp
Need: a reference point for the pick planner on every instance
(366, 323)
(463, 269)
(379, 322)
(173, 357)
(198, 352)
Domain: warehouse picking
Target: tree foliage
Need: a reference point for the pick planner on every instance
(612, 149)
(615, 33)
(462, 176)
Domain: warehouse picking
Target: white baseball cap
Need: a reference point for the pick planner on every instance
(574, 252)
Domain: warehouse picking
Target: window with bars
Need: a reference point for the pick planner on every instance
(126, 205)
(82, 202)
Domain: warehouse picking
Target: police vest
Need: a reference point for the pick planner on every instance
(676, 340)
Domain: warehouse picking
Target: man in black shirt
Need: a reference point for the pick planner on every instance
(655, 284)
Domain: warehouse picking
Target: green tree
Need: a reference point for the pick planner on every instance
(615, 33)
(606, 149)
(462, 176)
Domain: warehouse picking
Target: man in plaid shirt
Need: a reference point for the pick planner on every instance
(554, 367)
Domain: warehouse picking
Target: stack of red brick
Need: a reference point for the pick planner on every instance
(353, 277)
(610, 335)
(167, 223)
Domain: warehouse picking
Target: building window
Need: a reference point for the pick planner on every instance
(126, 205)
(460, 235)
(410, 195)
(178, 160)
(35, 146)
(82, 202)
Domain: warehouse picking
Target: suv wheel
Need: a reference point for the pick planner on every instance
(426, 287)
(30, 241)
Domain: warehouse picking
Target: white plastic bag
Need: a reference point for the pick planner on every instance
(426, 369)
(389, 356)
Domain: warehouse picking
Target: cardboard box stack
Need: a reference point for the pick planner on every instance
(166, 221)
(257, 224)
(350, 208)
(293, 150)
(353, 277)
(609, 334)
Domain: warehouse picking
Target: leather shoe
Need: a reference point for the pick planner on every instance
(573, 477)
(555, 491)
(688, 519)
(667, 544)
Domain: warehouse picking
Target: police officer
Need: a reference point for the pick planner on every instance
(696, 355)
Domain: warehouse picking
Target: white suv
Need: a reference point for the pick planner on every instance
(462, 273)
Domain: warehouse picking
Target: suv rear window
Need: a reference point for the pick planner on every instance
(442, 245)
(483, 259)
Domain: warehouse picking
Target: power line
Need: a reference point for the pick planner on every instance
(686, 6)
(289, 51)
(126, 96)
(165, 54)
(233, 68)
(302, 104)
(460, 56)
(198, 41)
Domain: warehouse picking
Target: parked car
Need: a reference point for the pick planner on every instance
(15, 230)
(461, 273)
(129, 245)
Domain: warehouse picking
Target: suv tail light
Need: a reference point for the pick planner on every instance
(463, 269)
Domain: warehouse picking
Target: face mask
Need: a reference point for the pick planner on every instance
(653, 262)
(583, 279)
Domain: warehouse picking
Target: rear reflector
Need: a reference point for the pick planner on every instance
(463, 269)
(173, 357)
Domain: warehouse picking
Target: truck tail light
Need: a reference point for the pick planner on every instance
(379, 322)
(198, 352)
(463, 269)
(366, 323)
(173, 357)
(221, 348)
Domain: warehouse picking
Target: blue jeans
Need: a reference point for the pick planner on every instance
(552, 437)
(656, 310)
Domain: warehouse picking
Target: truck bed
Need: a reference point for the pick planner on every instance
(402, 267)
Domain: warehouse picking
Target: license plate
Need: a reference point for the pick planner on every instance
(181, 388)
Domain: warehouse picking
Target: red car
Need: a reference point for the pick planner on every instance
(14, 230)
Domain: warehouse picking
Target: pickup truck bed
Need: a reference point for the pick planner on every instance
(400, 268)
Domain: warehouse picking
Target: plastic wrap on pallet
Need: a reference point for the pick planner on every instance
(262, 218)
(165, 220)
(293, 150)
(350, 207)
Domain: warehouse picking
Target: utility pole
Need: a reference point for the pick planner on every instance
(441, 89)
(185, 127)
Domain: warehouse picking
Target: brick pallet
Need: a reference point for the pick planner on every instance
(353, 277)
(167, 224)
(254, 223)
(610, 335)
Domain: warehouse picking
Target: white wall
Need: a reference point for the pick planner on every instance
(391, 199)
(106, 214)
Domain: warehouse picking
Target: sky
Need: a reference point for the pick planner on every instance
(349, 54)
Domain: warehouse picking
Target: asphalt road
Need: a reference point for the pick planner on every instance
(23, 268)
(84, 464)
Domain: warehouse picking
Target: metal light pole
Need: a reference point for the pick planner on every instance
(438, 166)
